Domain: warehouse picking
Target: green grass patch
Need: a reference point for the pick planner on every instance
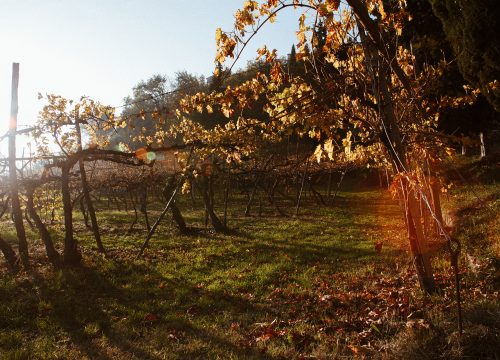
(275, 287)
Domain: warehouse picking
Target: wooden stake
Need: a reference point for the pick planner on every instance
(14, 189)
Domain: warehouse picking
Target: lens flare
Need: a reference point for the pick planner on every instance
(141, 154)
(151, 156)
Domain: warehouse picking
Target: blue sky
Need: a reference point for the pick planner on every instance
(102, 48)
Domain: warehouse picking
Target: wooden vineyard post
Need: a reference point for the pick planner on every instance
(436, 202)
(434, 189)
(299, 196)
(226, 196)
(14, 188)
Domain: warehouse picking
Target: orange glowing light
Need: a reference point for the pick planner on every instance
(141, 154)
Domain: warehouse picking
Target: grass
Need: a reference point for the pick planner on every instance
(276, 287)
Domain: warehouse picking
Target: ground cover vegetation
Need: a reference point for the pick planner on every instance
(335, 281)
(293, 209)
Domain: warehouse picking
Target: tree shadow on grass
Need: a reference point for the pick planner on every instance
(90, 306)
(475, 220)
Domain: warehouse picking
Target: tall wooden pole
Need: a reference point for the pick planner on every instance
(14, 189)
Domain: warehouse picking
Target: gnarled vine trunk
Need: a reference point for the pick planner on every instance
(208, 199)
(71, 254)
(86, 192)
(9, 254)
(167, 191)
(52, 253)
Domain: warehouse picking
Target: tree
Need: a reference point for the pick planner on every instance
(471, 28)
(292, 59)
(149, 112)
(149, 102)
(425, 36)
